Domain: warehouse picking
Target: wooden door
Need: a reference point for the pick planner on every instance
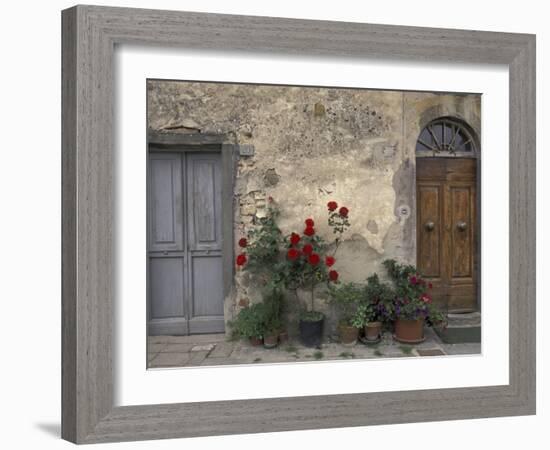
(184, 243)
(447, 230)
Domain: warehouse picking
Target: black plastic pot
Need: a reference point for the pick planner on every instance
(311, 332)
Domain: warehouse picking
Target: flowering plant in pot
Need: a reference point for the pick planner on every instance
(260, 255)
(347, 297)
(308, 263)
(376, 307)
(412, 305)
(295, 261)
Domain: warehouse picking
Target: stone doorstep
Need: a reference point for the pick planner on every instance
(462, 329)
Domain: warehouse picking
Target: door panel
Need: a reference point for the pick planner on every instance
(446, 196)
(429, 223)
(205, 242)
(165, 231)
(204, 201)
(461, 228)
(166, 287)
(207, 286)
(185, 243)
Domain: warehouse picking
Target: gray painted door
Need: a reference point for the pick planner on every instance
(184, 244)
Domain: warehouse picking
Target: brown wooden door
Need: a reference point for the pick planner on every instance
(446, 227)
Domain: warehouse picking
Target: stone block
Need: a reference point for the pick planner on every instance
(176, 348)
(169, 360)
(222, 350)
(203, 348)
(248, 210)
(155, 348)
(196, 358)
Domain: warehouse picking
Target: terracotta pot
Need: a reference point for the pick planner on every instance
(348, 334)
(255, 341)
(283, 337)
(373, 331)
(271, 341)
(409, 331)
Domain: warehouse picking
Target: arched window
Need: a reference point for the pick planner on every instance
(446, 137)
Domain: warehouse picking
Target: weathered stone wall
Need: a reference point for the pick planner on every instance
(312, 145)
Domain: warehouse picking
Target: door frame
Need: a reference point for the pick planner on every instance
(475, 133)
(159, 142)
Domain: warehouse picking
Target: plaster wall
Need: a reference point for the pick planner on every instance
(312, 145)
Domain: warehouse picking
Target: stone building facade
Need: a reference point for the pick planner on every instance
(311, 145)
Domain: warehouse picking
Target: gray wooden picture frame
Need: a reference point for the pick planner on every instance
(89, 37)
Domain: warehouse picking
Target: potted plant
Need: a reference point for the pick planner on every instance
(412, 305)
(250, 324)
(261, 256)
(376, 307)
(273, 307)
(346, 297)
(295, 262)
(271, 334)
(308, 263)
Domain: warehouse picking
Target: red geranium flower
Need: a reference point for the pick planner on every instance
(294, 238)
(332, 206)
(430, 285)
(344, 211)
(241, 259)
(309, 231)
(243, 242)
(413, 279)
(314, 259)
(308, 249)
(310, 223)
(329, 261)
(333, 275)
(292, 254)
(426, 298)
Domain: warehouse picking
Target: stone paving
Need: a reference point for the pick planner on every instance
(215, 350)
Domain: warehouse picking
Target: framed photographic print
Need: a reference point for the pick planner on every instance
(264, 229)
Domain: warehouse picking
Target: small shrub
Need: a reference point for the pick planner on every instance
(250, 322)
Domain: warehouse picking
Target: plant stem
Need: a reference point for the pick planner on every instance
(312, 289)
(337, 244)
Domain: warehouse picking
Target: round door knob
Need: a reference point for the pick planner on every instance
(429, 226)
(461, 225)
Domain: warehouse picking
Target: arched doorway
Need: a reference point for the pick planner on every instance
(447, 229)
